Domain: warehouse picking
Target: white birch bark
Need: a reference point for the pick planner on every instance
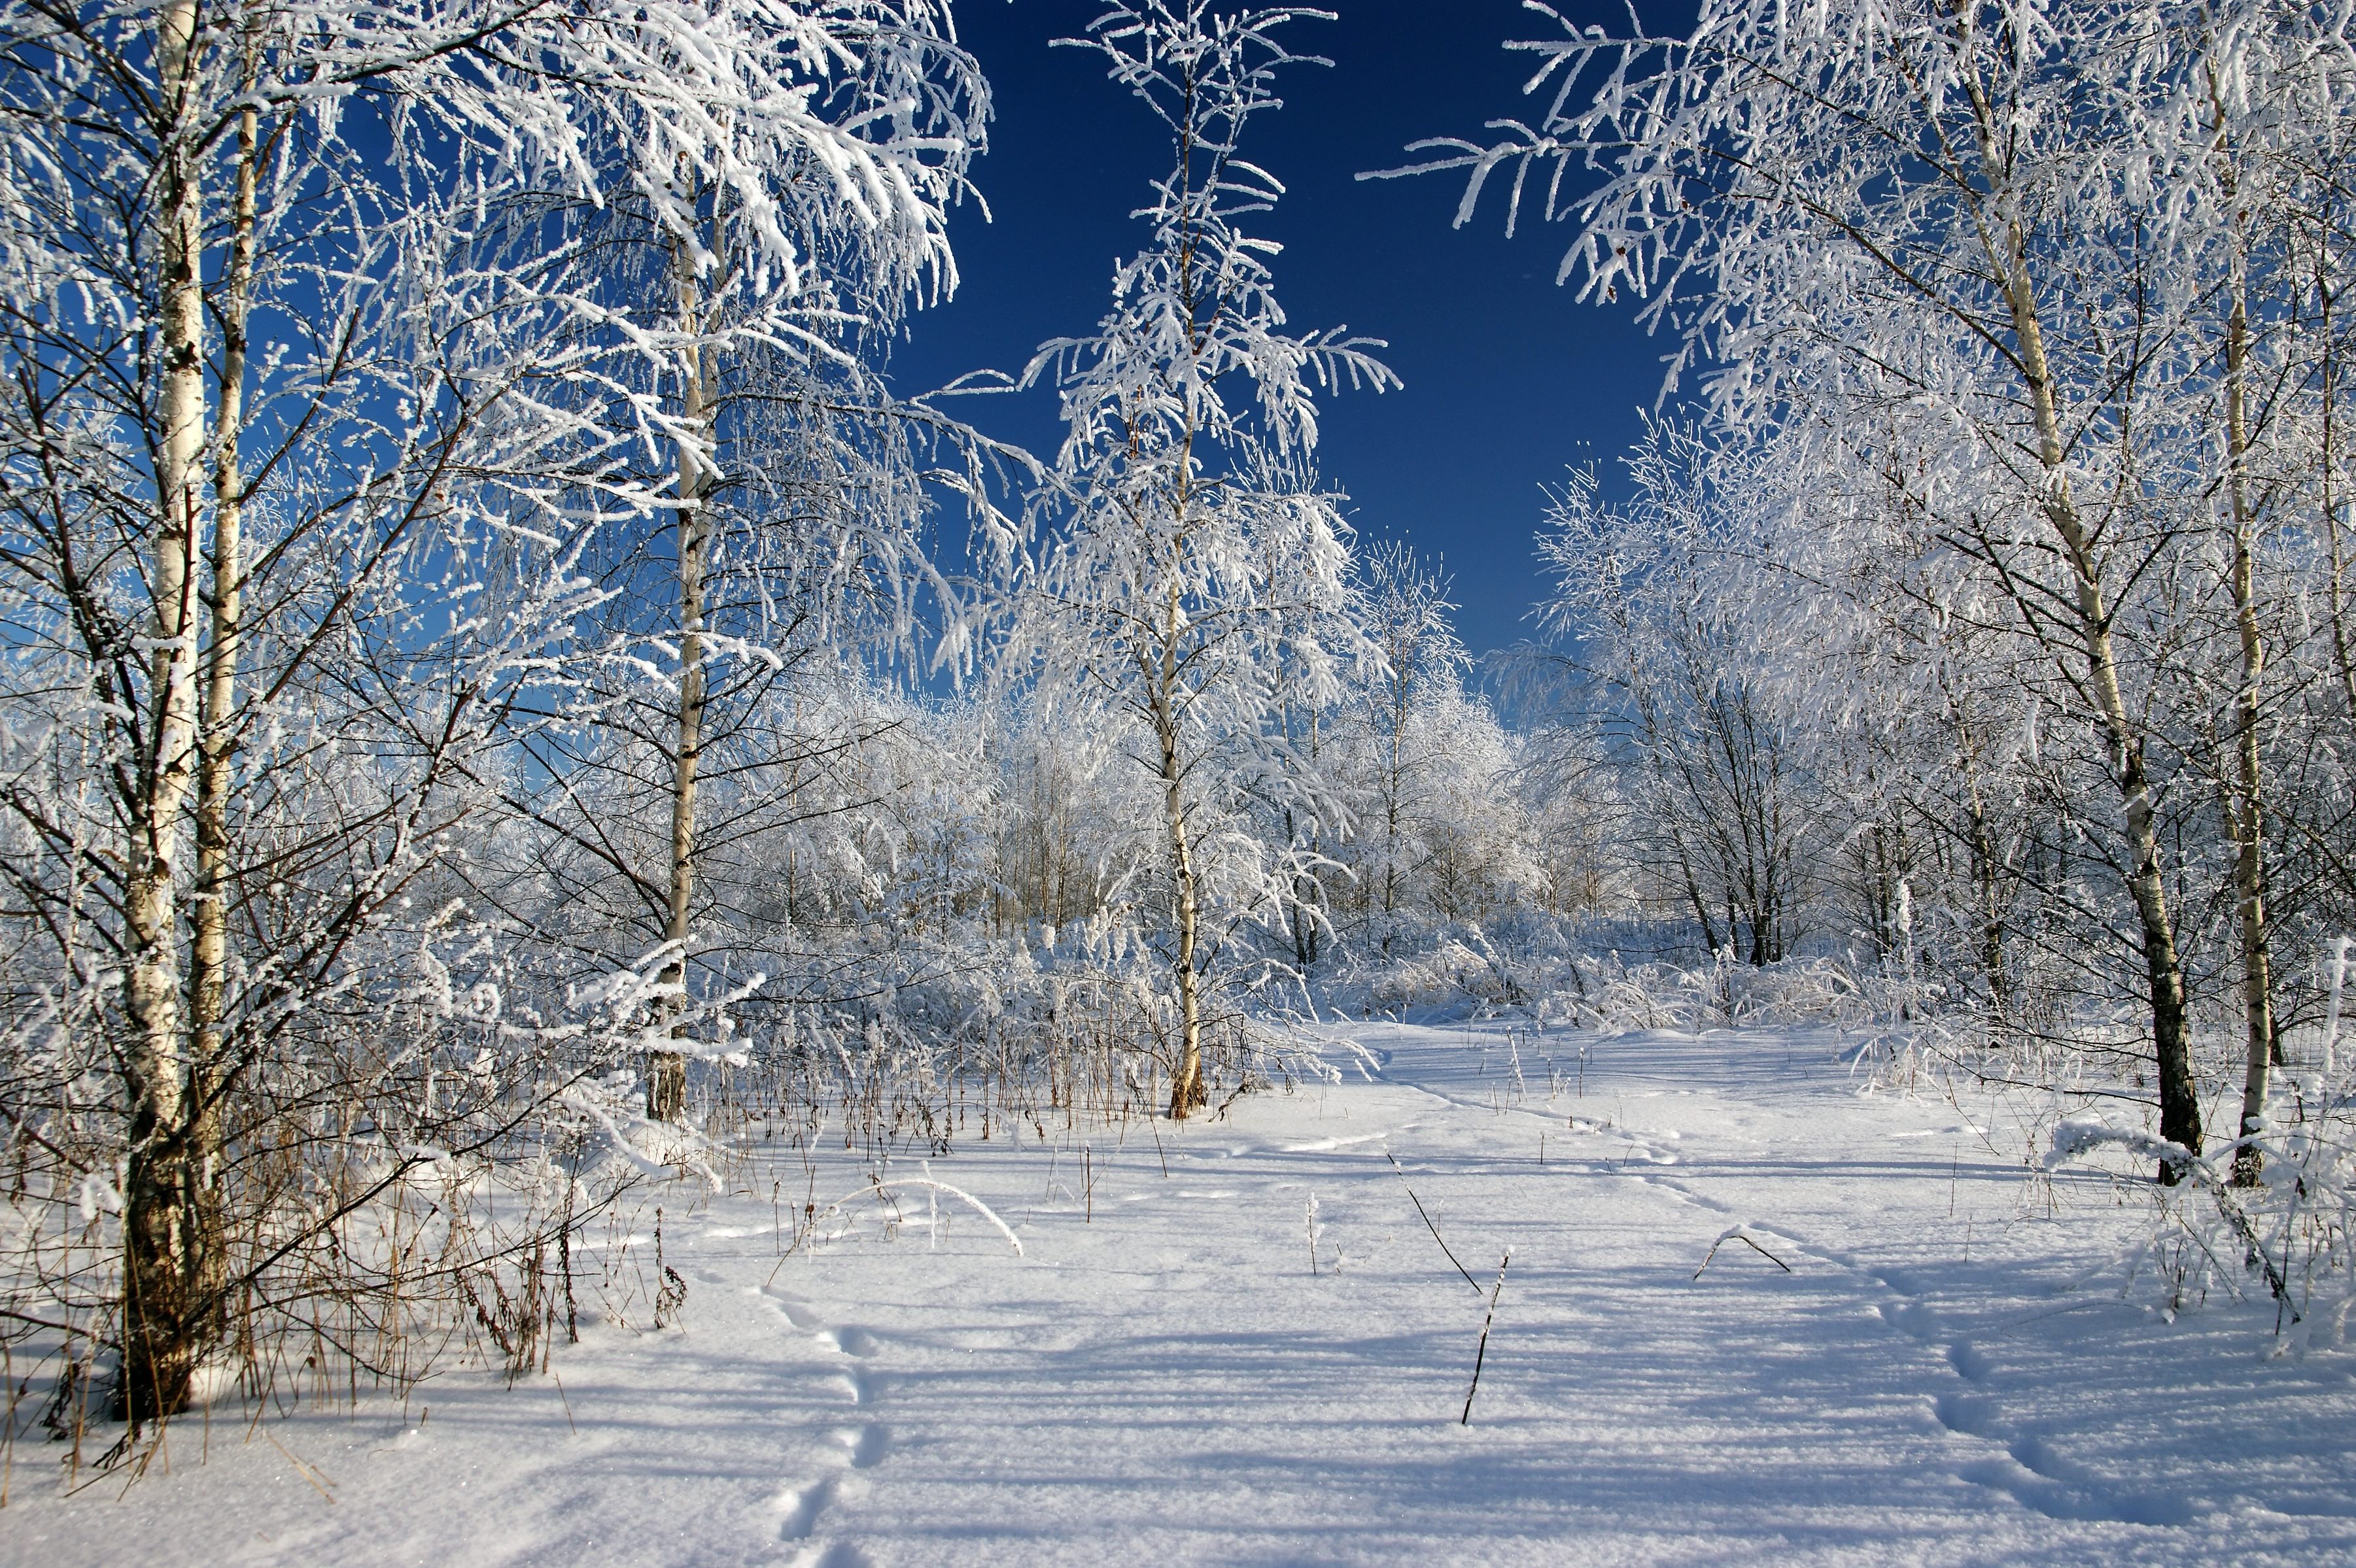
(163, 1249)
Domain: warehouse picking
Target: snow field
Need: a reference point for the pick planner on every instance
(1160, 1375)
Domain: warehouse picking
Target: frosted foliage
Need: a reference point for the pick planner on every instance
(1193, 564)
(792, 165)
(1782, 177)
(2033, 307)
(327, 410)
(1978, 252)
(1719, 786)
(471, 815)
(1436, 836)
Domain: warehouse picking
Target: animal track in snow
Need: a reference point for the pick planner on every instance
(801, 1507)
(1972, 1414)
(865, 1446)
(2028, 1469)
(795, 1309)
(1913, 1320)
(1326, 1145)
(2040, 1481)
(857, 1447)
(1676, 1190)
(1970, 1363)
(850, 1341)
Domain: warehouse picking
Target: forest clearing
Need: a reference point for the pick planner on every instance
(1235, 1339)
(745, 818)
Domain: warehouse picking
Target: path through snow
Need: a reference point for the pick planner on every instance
(1168, 1381)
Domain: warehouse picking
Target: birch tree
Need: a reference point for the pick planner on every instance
(250, 343)
(787, 181)
(1193, 539)
(1407, 612)
(2264, 99)
(1685, 699)
(1965, 211)
(317, 406)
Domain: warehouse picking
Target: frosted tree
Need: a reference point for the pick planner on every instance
(1193, 543)
(1988, 224)
(772, 199)
(2266, 94)
(317, 416)
(1679, 668)
(1474, 859)
(1408, 613)
(282, 392)
(1049, 828)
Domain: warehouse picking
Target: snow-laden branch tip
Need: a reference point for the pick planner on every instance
(921, 1183)
(1745, 1234)
(2076, 1137)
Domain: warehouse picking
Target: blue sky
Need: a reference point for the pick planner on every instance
(1508, 379)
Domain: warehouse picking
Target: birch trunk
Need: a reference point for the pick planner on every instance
(2247, 813)
(1307, 894)
(1402, 673)
(666, 1069)
(2343, 660)
(164, 1310)
(2180, 1103)
(209, 906)
(1186, 1087)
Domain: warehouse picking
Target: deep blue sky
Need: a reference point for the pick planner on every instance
(1508, 380)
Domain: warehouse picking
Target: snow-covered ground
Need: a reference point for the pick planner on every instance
(1159, 1376)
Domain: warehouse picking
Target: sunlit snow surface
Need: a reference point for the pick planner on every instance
(1171, 1384)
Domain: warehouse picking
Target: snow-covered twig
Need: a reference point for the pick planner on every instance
(1739, 1233)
